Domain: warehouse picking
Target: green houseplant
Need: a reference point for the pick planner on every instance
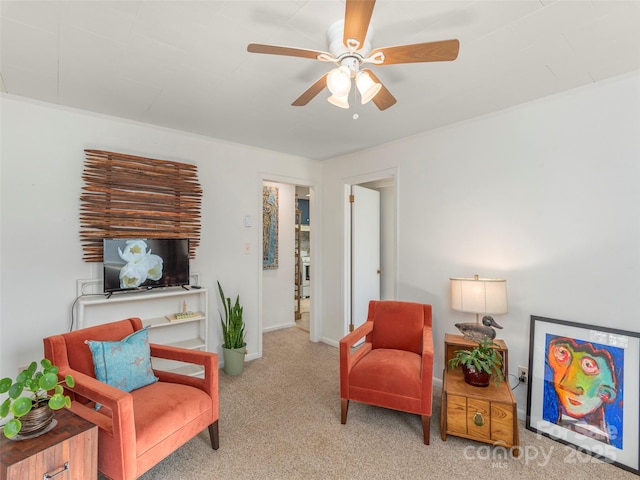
(35, 384)
(233, 332)
(480, 363)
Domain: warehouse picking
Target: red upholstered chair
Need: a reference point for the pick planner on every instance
(138, 429)
(393, 368)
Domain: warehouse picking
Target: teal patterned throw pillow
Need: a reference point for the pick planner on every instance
(125, 364)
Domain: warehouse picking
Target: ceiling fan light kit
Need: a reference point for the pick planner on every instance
(350, 47)
(339, 81)
(339, 101)
(367, 87)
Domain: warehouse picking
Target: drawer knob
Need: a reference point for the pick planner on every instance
(478, 419)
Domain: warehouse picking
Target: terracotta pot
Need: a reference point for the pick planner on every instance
(38, 418)
(474, 377)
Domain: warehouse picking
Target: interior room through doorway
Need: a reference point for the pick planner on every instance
(302, 255)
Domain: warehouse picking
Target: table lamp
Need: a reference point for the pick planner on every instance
(482, 296)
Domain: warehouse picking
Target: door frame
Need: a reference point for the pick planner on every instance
(387, 175)
(315, 316)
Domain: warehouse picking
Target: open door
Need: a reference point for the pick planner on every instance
(365, 251)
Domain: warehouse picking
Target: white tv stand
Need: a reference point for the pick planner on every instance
(154, 308)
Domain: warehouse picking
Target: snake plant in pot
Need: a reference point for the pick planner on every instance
(32, 397)
(234, 346)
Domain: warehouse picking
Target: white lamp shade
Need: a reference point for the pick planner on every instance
(339, 101)
(339, 81)
(367, 87)
(479, 295)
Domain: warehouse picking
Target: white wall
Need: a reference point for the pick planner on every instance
(278, 283)
(42, 155)
(545, 195)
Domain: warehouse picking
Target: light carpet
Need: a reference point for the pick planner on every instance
(280, 419)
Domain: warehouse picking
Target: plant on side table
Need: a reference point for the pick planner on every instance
(479, 364)
(234, 346)
(33, 411)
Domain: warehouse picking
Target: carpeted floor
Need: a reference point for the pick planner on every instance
(280, 419)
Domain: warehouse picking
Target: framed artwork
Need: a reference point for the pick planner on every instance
(584, 388)
(269, 227)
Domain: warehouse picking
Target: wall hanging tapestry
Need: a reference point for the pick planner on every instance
(269, 227)
(125, 196)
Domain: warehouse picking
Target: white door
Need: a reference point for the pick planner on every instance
(365, 251)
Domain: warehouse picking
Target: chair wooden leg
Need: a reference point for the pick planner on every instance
(344, 406)
(214, 435)
(426, 428)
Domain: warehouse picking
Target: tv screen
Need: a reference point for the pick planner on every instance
(145, 263)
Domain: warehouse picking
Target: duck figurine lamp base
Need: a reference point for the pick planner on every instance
(476, 332)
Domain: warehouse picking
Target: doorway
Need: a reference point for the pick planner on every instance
(302, 252)
(277, 283)
(359, 244)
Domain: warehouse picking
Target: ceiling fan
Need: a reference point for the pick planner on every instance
(350, 47)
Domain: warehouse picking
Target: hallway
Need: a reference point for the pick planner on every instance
(303, 322)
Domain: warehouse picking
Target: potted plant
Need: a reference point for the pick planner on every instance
(233, 346)
(479, 364)
(33, 411)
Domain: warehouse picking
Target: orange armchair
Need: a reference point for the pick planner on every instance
(393, 368)
(138, 429)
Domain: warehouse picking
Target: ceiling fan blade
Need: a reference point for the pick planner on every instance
(287, 51)
(357, 16)
(383, 99)
(311, 92)
(442, 51)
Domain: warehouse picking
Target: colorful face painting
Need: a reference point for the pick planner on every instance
(583, 388)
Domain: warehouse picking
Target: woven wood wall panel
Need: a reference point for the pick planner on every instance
(125, 196)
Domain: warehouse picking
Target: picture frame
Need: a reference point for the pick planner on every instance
(270, 218)
(584, 389)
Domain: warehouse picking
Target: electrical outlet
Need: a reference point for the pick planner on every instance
(523, 374)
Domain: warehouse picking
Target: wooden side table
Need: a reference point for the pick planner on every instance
(486, 414)
(68, 451)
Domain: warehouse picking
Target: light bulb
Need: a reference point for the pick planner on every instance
(367, 87)
(341, 101)
(339, 81)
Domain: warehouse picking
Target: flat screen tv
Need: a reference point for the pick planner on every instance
(145, 263)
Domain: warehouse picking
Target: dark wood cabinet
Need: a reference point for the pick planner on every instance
(68, 451)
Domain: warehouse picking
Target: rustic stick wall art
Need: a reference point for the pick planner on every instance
(125, 196)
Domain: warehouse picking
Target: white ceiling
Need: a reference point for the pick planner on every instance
(184, 64)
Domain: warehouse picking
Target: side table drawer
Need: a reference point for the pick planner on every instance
(456, 415)
(67, 452)
(502, 423)
(71, 459)
(480, 420)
